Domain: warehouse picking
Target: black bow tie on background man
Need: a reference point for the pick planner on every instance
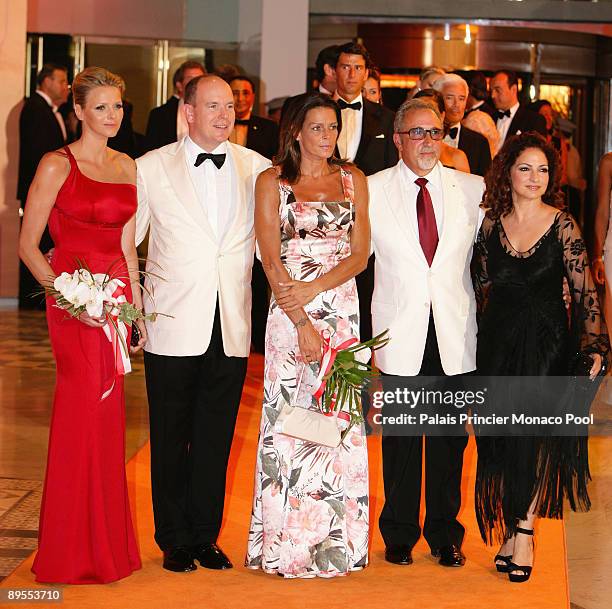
(452, 132)
(354, 106)
(242, 121)
(502, 113)
(217, 159)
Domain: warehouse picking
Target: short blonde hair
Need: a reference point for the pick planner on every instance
(91, 78)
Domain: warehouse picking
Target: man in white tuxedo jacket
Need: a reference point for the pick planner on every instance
(196, 196)
(424, 221)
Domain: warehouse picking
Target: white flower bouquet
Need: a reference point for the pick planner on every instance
(101, 295)
(98, 294)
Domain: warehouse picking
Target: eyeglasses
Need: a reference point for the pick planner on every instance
(418, 133)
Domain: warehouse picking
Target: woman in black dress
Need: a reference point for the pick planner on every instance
(526, 246)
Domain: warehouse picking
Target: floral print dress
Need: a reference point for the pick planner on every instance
(310, 506)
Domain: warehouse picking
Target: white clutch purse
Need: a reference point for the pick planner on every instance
(310, 425)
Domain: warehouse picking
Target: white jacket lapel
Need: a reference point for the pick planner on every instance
(175, 165)
(241, 170)
(452, 201)
(397, 205)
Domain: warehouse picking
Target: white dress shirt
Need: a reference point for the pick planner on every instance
(410, 191)
(182, 126)
(58, 117)
(350, 136)
(503, 124)
(449, 140)
(214, 187)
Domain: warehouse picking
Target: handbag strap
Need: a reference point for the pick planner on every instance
(334, 412)
(297, 387)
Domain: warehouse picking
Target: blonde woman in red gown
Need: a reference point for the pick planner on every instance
(86, 193)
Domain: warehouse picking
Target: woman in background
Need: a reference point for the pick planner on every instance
(602, 242)
(371, 88)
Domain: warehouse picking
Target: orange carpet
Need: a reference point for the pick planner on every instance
(381, 585)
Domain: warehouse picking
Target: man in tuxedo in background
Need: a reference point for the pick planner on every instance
(254, 132)
(424, 220)
(512, 118)
(478, 94)
(259, 134)
(197, 196)
(455, 92)
(367, 140)
(167, 123)
(367, 128)
(326, 69)
(41, 130)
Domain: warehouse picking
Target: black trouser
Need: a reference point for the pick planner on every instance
(365, 289)
(259, 307)
(193, 403)
(402, 467)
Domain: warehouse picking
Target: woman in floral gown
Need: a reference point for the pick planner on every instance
(310, 505)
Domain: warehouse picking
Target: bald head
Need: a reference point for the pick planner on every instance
(205, 80)
(209, 109)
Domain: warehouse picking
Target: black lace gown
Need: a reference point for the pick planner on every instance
(524, 330)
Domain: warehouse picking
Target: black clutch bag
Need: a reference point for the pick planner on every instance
(135, 335)
(581, 364)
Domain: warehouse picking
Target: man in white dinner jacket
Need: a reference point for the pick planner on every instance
(424, 221)
(196, 196)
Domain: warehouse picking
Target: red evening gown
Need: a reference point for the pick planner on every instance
(86, 534)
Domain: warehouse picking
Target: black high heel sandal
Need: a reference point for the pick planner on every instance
(502, 568)
(525, 571)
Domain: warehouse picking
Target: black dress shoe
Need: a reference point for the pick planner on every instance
(399, 555)
(211, 556)
(179, 560)
(450, 556)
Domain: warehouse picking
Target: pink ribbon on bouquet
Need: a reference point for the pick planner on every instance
(121, 356)
(327, 361)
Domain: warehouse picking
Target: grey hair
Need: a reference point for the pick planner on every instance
(409, 106)
(451, 79)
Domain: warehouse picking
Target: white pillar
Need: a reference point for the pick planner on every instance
(273, 45)
(12, 74)
(284, 48)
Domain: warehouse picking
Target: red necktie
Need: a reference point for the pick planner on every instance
(428, 231)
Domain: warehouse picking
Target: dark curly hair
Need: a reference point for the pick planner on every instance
(497, 198)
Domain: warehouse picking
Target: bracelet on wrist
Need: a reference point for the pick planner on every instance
(300, 323)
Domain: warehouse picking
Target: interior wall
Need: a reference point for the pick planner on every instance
(132, 19)
(215, 21)
(12, 69)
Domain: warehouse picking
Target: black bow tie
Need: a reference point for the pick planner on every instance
(242, 121)
(502, 113)
(343, 105)
(217, 159)
(453, 131)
